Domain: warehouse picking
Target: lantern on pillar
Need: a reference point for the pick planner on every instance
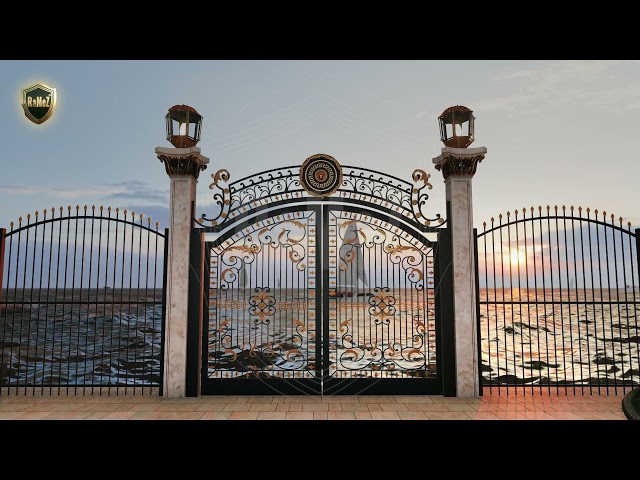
(184, 125)
(456, 127)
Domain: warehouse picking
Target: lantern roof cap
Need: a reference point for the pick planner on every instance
(456, 109)
(184, 108)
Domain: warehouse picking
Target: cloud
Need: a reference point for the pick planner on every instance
(566, 83)
(123, 191)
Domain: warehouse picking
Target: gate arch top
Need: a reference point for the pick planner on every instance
(392, 195)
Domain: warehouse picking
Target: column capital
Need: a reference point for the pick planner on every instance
(459, 162)
(182, 161)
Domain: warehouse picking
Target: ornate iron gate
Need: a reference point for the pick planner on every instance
(320, 280)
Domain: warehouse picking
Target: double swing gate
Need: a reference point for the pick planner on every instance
(319, 279)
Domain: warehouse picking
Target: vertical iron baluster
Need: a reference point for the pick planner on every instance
(593, 300)
(138, 320)
(626, 234)
(72, 305)
(553, 305)
(513, 330)
(104, 323)
(606, 378)
(55, 302)
(504, 305)
(121, 318)
(48, 300)
(64, 304)
(84, 232)
(86, 338)
(97, 294)
(559, 267)
(535, 285)
(633, 286)
(584, 293)
(147, 306)
(486, 305)
(609, 301)
(15, 298)
(113, 300)
(544, 298)
(524, 390)
(569, 303)
(129, 304)
(164, 299)
(526, 280)
(37, 342)
(33, 274)
(24, 287)
(575, 278)
(615, 262)
(495, 305)
(5, 260)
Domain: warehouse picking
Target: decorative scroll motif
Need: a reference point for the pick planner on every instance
(382, 304)
(182, 165)
(320, 175)
(459, 166)
(262, 305)
(259, 331)
(386, 330)
(283, 185)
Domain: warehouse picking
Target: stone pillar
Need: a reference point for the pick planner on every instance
(183, 165)
(458, 165)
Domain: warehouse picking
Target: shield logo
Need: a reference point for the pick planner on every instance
(38, 102)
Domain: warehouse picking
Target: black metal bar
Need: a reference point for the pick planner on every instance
(3, 244)
(44, 353)
(39, 304)
(615, 263)
(584, 290)
(33, 273)
(445, 315)
(526, 278)
(478, 332)
(93, 374)
(606, 378)
(24, 285)
(322, 293)
(524, 390)
(535, 280)
(84, 234)
(163, 335)
(575, 279)
(194, 314)
(564, 364)
(566, 266)
(606, 257)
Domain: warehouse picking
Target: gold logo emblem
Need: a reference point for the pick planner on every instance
(38, 102)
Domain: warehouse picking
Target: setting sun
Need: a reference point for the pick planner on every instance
(517, 257)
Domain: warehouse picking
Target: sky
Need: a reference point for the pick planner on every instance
(557, 132)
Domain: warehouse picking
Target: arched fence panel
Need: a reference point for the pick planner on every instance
(82, 303)
(559, 299)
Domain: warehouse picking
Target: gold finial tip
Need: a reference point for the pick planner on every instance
(125, 211)
(484, 224)
(28, 216)
(133, 214)
(45, 211)
(36, 213)
(117, 209)
(85, 207)
(492, 219)
(101, 208)
(149, 220)
(628, 224)
(141, 216)
(93, 207)
(157, 224)
(11, 224)
(20, 219)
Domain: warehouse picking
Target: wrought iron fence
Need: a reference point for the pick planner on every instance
(82, 303)
(559, 301)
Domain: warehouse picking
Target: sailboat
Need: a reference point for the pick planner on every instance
(351, 264)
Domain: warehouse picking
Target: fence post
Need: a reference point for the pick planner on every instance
(458, 165)
(637, 253)
(183, 166)
(3, 234)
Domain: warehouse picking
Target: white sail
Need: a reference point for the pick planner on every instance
(351, 272)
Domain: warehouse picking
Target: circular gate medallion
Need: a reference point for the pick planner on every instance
(320, 175)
